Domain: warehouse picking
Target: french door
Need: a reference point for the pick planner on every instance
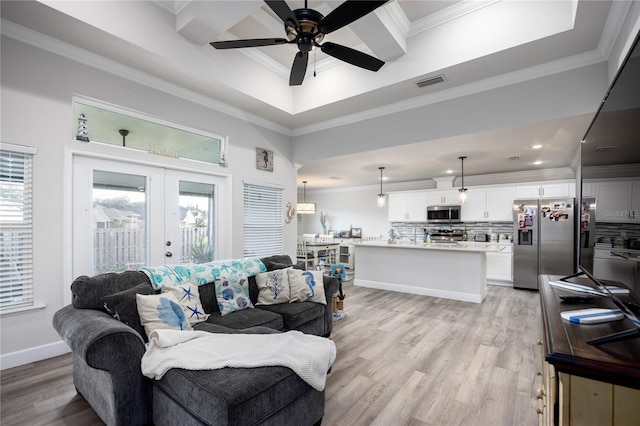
(128, 215)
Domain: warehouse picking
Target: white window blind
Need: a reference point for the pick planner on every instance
(16, 229)
(263, 221)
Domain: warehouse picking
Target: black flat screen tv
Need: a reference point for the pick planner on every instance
(610, 155)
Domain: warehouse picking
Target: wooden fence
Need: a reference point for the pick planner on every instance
(123, 249)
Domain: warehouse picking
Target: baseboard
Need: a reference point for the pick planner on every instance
(464, 297)
(500, 283)
(38, 353)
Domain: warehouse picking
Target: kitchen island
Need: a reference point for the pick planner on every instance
(448, 270)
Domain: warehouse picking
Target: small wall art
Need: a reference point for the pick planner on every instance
(264, 159)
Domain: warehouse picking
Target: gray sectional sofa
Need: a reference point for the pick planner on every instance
(107, 357)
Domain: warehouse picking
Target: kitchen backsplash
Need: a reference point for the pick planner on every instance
(626, 230)
(412, 231)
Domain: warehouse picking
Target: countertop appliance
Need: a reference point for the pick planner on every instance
(481, 237)
(543, 239)
(443, 214)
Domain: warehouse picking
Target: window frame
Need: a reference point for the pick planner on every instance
(263, 225)
(24, 227)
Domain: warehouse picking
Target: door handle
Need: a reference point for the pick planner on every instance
(168, 254)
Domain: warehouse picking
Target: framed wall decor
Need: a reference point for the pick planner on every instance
(264, 159)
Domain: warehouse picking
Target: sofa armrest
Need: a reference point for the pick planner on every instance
(102, 341)
(331, 285)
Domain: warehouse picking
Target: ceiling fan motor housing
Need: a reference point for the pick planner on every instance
(308, 34)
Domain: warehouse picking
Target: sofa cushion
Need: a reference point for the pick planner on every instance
(233, 396)
(161, 311)
(189, 298)
(295, 314)
(123, 306)
(273, 287)
(232, 293)
(248, 318)
(307, 285)
(89, 292)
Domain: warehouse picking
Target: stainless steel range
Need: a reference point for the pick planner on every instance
(446, 235)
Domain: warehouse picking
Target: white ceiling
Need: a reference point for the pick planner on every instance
(469, 42)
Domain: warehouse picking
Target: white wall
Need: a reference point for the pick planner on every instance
(346, 208)
(37, 89)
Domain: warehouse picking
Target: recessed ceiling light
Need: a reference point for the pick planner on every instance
(538, 146)
(449, 171)
(537, 163)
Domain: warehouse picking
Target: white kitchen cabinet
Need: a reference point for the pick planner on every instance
(489, 204)
(474, 208)
(588, 189)
(614, 201)
(543, 190)
(443, 197)
(500, 266)
(408, 206)
(635, 202)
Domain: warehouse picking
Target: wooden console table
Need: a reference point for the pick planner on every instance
(584, 384)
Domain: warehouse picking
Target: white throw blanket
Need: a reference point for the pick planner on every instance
(309, 356)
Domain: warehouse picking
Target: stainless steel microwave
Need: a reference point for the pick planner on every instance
(443, 214)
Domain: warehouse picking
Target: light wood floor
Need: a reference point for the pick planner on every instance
(402, 360)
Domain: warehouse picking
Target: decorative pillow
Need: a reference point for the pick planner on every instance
(232, 294)
(159, 311)
(189, 298)
(273, 287)
(123, 307)
(306, 285)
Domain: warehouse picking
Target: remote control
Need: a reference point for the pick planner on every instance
(577, 299)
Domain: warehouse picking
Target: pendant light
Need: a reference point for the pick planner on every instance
(462, 192)
(304, 207)
(382, 198)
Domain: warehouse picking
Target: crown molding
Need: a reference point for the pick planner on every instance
(448, 14)
(539, 71)
(74, 53)
(613, 171)
(511, 178)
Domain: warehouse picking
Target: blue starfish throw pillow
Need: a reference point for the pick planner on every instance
(232, 293)
(189, 298)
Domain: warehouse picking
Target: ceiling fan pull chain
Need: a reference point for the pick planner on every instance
(314, 61)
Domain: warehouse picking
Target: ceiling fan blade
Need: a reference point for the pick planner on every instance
(298, 69)
(283, 11)
(354, 57)
(346, 13)
(253, 42)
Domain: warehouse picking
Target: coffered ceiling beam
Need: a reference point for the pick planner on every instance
(203, 21)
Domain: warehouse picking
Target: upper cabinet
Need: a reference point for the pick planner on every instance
(544, 190)
(617, 201)
(489, 204)
(443, 198)
(408, 206)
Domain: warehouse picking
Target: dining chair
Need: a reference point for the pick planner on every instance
(302, 254)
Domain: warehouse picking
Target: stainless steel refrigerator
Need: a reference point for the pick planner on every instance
(587, 232)
(543, 239)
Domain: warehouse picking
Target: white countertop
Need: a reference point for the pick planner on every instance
(459, 246)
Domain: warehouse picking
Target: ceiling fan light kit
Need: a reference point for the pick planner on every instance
(306, 28)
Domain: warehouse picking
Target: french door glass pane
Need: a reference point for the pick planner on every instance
(197, 233)
(119, 221)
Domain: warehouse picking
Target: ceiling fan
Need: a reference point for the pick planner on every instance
(307, 28)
